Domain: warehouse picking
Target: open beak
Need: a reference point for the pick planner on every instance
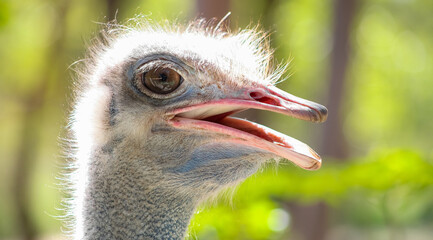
(214, 116)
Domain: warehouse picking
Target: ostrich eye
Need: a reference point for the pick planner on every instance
(161, 80)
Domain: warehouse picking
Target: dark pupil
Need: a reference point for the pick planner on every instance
(161, 80)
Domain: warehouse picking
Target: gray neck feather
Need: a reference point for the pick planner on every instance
(121, 202)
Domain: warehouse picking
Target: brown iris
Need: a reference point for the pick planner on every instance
(161, 80)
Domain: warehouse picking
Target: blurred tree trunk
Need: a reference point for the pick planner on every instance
(310, 222)
(24, 162)
(33, 105)
(112, 8)
(212, 8)
(334, 143)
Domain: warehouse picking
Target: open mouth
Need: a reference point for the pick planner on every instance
(215, 117)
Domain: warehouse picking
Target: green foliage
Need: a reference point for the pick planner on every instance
(388, 181)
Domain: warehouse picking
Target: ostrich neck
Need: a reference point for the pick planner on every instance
(121, 202)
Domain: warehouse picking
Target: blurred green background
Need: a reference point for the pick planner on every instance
(369, 61)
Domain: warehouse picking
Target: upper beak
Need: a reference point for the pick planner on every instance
(265, 98)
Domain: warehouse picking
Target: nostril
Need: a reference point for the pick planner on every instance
(261, 97)
(256, 95)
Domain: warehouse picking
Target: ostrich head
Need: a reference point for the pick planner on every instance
(153, 128)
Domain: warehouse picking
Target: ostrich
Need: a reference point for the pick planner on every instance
(152, 128)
